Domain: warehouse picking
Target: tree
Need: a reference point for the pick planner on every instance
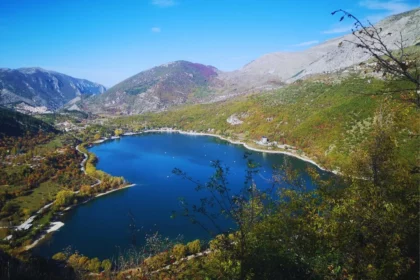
(10, 207)
(83, 262)
(59, 257)
(97, 136)
(106, 265)
(194, 246)
(397, 63)
(118, 132)
(179, 251)
(94, 265)
(153, 255)
(73, 260)
(64, 198)
(366, 230)
(244, 209)
(86, 190)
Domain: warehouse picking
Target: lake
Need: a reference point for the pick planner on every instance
(100, 228)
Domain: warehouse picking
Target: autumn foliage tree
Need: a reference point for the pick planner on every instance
(64, 198)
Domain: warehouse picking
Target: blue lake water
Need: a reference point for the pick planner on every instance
(100, 228)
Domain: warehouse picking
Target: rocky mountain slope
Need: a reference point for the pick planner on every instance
(284, 67)
(38, 90)
(158, 88)
(184, 82)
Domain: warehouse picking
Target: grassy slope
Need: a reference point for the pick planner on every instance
(324, 118)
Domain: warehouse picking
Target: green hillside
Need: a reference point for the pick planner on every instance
(325, 118)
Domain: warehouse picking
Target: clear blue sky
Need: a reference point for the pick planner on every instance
(109, 40)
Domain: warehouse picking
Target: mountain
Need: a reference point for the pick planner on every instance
(158, 88)
(39, 90)
(17, 124)
(284, 67)
(184, 82)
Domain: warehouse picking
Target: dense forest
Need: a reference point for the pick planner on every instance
(18, 124)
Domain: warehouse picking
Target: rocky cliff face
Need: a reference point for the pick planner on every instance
(39, 88)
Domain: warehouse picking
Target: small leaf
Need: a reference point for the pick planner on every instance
(341, 18)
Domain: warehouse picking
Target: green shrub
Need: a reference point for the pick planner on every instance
(194, 247)
(64, 198)
(94, 265)
(179, 251)
(106, 265)
(59, 257)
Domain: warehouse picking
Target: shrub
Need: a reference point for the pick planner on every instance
(179, 251)
(157, 261)
(73, 260)
(94, 265)
(59, 257)
(64, 198)
(106, 265)
(83, 262)
(85, 190)
(194, 247)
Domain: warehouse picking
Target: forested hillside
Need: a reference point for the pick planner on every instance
(16, 124)
(324, 117)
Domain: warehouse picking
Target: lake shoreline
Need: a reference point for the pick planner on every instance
(57, 224)
(193, 133)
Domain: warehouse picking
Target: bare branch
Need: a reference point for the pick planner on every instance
(370, 39)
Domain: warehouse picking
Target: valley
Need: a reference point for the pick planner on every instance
(298, 165)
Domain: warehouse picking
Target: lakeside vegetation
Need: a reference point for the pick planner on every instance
(366, 230)
(325, 118)
(39, 168)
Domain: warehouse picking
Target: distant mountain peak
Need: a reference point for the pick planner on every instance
(158, 88)
(38, 87)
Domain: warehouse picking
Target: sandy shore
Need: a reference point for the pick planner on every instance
(54, 226)
(114, 190)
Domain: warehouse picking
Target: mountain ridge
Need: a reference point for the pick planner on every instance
(328, 56)
(268, 72)
(44, 90)
(158, 88)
